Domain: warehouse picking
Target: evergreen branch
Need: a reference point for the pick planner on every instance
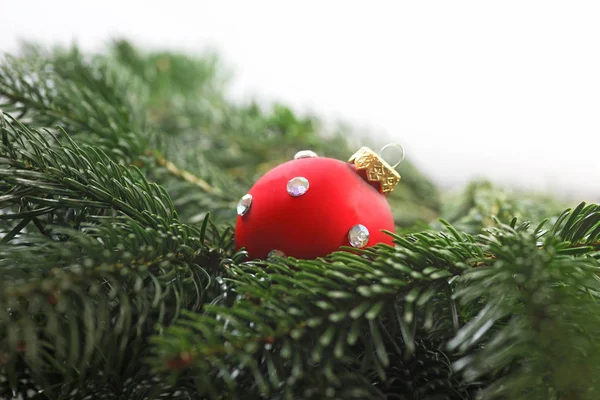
(71, 176)
(190, 201)
(539, 320)
(579, 227)
(152, 276)
(96, 98)
(427, 375)
(336, 308)
(267, 321)
(184, 175)
(481, 204)
(88, 318)
(116, 281)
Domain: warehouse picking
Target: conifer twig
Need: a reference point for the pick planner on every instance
(58, 277)
(183, 174)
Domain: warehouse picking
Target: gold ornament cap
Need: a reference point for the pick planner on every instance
(377, 170)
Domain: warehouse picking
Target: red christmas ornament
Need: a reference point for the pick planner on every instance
(310, 206)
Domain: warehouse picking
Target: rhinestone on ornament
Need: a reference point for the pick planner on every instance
(275, 254)
(358, 236)
(305, 154)
(297, 186)
(244, 204)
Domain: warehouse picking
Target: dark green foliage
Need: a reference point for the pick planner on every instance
(526, 294)
(539, 296)
(99, 100)
(119, 279)
(315, 316)
(482, 203)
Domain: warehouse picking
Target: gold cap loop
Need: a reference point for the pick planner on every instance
(395, 146)
(376, 168)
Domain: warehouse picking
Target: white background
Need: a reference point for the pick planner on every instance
(506, 90)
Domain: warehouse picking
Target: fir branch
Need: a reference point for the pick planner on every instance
(95, 98)
(580, 226)
(136, 264)
(301, 313)
(79, 317)
(538, 332)
(74, 177)
(184, 175)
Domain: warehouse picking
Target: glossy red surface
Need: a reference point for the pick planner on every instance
(316, 223)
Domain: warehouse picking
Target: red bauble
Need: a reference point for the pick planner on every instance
(317, 222)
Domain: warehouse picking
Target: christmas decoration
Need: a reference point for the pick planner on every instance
(311, 206)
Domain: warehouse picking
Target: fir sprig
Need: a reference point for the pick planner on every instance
(96, 99)
(356, 313)
(303, 318)
(538, 333)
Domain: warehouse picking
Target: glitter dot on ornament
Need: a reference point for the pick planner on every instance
(358, 236)
(305, 154)
(275, 254)
(244, 204)
(297, 186)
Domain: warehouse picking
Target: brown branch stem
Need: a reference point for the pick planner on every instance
(182, 174)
